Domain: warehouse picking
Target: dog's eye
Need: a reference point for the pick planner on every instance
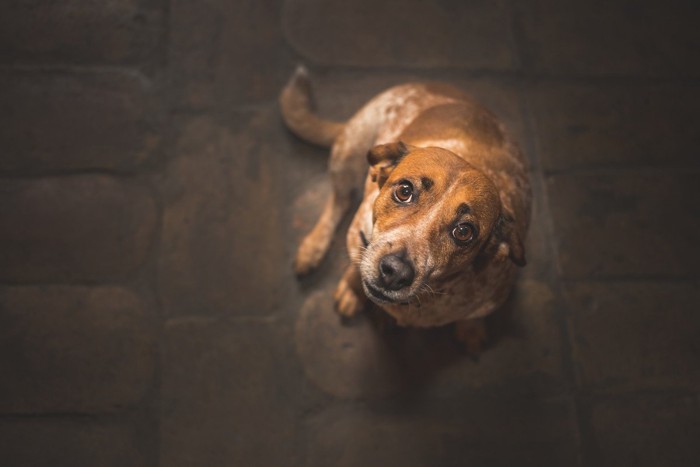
(404, 192)
(463, 232)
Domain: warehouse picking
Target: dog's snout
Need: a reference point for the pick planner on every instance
(395, 272)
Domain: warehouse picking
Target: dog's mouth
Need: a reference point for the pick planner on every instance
(375, 293)
(379, 296)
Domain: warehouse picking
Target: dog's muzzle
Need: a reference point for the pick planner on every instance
(389, 280)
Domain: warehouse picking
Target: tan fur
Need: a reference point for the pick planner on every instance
(473, 173)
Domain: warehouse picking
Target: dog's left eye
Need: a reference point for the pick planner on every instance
(404, 193)
(463, 232)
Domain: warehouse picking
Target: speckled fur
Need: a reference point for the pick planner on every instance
(425, 117)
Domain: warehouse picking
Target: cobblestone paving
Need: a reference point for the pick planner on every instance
(151, 201)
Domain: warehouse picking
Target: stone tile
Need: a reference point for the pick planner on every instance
(225, 232)
(347, 361)
(475, 35)
(59, 443)
(525, 351)
(360, 360)
(74, 349)
(81, 228)
(71, 121)
(645, 431)
(223, 54)
(626, 223)
(627, 336)
(80, 31)
(541, 261)
(612, 125)
(485, 431)
(229, 394)
(641, 38)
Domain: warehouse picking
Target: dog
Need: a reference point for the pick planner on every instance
(440, 231)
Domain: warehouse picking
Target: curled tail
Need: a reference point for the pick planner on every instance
(298, 114)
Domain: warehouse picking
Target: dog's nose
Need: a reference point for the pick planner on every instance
(395, 272)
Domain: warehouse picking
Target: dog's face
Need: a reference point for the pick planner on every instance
(435, 216)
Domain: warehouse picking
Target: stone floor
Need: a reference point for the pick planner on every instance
(151, 201)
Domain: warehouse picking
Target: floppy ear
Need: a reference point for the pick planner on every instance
(510, 245)
(383, 158)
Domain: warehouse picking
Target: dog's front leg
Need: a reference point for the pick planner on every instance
(348, 297)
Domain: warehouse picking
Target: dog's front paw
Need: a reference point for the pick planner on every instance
(471, 333)
(347, 301)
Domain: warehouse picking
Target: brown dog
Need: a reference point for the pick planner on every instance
(445, 211)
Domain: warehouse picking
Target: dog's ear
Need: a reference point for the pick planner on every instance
(510, 244)
(383, 158)
(503, 244)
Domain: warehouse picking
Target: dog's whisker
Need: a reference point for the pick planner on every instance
(422, 289)
(435, 292)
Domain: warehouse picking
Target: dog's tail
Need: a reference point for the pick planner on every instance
(297, 111)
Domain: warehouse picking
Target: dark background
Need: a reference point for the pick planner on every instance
(151, 201)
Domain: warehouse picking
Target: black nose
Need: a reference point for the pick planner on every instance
(396, 272)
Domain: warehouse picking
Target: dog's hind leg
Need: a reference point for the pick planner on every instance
(348, 163)
(348, 167)
(317, 242)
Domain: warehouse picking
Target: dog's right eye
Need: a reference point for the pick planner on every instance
(464, 233)
(404, 193)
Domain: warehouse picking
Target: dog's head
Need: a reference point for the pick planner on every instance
(435, 216)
